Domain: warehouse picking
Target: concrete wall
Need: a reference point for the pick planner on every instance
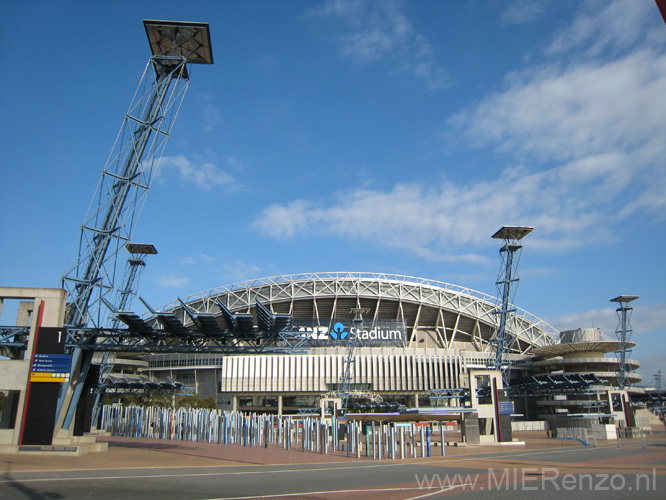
(14, 373)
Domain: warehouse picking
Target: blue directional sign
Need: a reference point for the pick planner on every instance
(506, 407)
(52, 363)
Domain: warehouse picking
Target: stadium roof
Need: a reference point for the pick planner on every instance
(601, 346)
(452, 312)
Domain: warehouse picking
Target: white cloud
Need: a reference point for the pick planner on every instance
(204, 271)
(649, 317)
(599, 117)
(201, 259)
(237, 271)
(211, 117)
(645, 318)
(560, 114)
(591, 132)
(570, 203)
(219, 268)
(597, 318)
(607, 25)
(173, 281)
(438, 221)
(204, 175)
(369, 31)
(650, 366)
(284, 221)
(648, 322)
(522, 11)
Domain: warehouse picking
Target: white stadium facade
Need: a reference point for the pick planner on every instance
(417, 336)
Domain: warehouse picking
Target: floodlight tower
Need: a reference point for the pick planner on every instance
(127, 176)
(353, 341)
(130, 168)
(658, 380)
(133, 269)
(508, 275)
(623, 333)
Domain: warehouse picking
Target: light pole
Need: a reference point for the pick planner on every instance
(623, 333)
(508, 275)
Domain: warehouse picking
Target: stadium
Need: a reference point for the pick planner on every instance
(283, 344)
(414, 336)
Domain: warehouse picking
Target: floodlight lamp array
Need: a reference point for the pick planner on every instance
(180, 39)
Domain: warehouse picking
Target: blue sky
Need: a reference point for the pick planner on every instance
(385, 136)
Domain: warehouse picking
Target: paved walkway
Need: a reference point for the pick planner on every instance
(165, 470)
(145, 452)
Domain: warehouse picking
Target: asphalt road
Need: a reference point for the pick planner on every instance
(512, 473)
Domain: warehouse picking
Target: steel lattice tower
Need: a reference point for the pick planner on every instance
(127, 175)
(130, 168)
(623, 333)
(133, 270)
(353, 341)
(658, 380)
(506, 283)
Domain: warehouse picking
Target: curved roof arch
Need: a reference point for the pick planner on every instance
(424, 304)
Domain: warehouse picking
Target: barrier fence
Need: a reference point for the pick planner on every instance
(376, 440)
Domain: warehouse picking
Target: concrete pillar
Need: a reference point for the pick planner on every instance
(280, 404)
(470, 430)
(24, 313)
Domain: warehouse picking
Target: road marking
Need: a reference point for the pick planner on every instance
(199, 474)
(443, 490)
(357, 466)
(329, 492)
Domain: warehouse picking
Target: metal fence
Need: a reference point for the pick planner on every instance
(309, 433)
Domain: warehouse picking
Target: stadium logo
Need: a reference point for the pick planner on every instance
(377, 333)
(339, 332)
(381, 332)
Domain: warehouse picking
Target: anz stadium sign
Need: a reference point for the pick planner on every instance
(370, 334)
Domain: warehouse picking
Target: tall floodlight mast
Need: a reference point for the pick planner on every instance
(133, 268)
(128, 173)
(623, 333)
(353, 342)
(125, 293)
(658, 380)
(508, 276)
